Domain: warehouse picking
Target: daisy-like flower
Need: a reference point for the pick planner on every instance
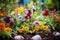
(37, 28)
(44, 27)
(20, 17)
(26, 28)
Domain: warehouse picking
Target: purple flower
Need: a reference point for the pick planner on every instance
(36, 23)
(28, 14)
(54, 12)
(7, 19)
(29, 11)
(11, 24)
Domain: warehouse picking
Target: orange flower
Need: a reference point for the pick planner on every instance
(37, 28)
(2, 26)
(21, 30)
(44, 27)
(8, 29)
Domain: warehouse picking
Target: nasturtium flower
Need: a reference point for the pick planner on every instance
(44, 27)
(2, 26)
(8, 29)
(21, 30)
(20, 17)
(20, 10)
(37, 28)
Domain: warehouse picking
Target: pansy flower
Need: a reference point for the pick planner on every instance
(11, 24)
(36, 23)
(7, 19)
(20, 17)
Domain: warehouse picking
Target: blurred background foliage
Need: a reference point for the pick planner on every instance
(53, 4)
(6, 5)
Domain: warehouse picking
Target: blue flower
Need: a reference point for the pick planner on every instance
(20, 17)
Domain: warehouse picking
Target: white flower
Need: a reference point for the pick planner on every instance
(20, 17)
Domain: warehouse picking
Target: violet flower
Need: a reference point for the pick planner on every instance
(11, 24)
(36, 23)
(7, 19)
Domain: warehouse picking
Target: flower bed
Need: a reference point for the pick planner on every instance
(28, 21)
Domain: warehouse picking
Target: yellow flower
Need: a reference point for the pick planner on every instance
(41, 23)
(44, 27)
(37, 28)
(31, 31)
(12, 13)
(20, 10)
(26, 29)
(21, 30)
(8, 29)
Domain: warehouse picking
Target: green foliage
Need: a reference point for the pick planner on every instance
(52, 4)
(7, 4)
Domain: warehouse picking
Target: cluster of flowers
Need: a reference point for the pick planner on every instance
(26, 20)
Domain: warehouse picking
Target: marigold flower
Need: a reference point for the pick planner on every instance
(21, 30)
(20, 10)
(37, 28)
(2, 26)
(8, 29)
(44, 27)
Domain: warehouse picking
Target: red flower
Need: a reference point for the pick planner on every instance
(2, 26)
(57, 18)
(46, 12)
(26, 17)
